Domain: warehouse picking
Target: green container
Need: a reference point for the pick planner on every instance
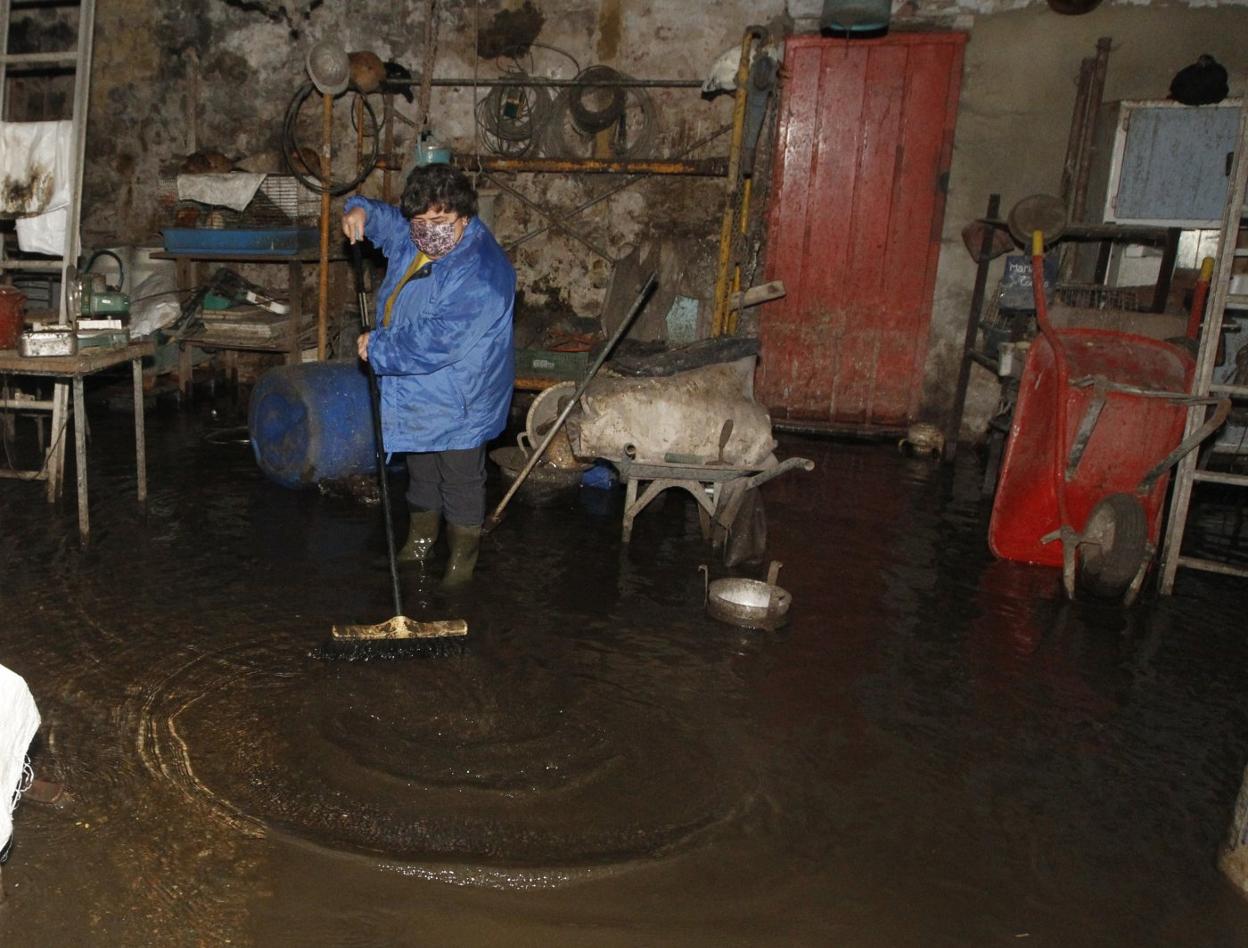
(545, 364)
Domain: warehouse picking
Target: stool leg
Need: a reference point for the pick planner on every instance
(54, 460)
(140, 438)
(80, 458)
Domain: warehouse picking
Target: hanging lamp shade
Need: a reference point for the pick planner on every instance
(855, 16)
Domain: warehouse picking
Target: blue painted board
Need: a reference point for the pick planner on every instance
(1174, 164)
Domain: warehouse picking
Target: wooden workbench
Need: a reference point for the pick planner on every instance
(71, 370)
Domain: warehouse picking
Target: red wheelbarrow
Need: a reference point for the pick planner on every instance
(1088, 496)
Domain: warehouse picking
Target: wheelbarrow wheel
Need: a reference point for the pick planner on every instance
(1113, 547)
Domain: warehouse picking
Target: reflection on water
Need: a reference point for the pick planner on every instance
(938, 750)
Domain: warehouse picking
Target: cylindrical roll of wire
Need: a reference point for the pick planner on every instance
(636, 118)
(511, 118)
(592, 119)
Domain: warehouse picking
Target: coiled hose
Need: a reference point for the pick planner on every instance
(290, 145)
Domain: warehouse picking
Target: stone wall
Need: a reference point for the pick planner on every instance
(171, 78)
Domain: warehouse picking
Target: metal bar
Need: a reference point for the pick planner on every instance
(1220, 388)
(1168, 256)
(1074, 140)
(82, 95)
(1096, 92)
(954, 422)
(1190, 443)
(387, 123)
(855, 432)
(62, 58)
(1132, 233)
(80, 460)
(549, 215)
(789, 464)
(1219, 477)
(40, 475)
(140, 436)
(719, 321)
(1101, 273)
(586, 205)
(701, 167)
(21, 404)
(322, 303)
(542, 81)
(53, 264)
(1084, 433)
(5, 16)
(1212, 566)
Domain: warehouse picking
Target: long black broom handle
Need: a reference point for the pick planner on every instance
(538, 451)
(374, 398)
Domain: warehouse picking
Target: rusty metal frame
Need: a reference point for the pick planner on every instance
(703, 167)
(719, 324)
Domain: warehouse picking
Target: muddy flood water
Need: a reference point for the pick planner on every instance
(938, 751)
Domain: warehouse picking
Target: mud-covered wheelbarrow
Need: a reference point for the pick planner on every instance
(718, 488)
(1098, 426)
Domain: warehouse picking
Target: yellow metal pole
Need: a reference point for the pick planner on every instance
(722, 278)
(733, 313)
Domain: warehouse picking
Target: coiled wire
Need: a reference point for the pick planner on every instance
(512, 118)
(290, 145)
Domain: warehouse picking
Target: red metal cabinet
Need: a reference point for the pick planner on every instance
(856, 208)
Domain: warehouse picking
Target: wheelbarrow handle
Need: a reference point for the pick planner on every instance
(789, 464)
(1212, 424)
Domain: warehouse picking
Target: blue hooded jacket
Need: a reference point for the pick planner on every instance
(445, 363)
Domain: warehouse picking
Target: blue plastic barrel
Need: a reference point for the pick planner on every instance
(312, 422)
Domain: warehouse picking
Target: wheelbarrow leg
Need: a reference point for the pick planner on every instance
(1070, 550)
(630, 508)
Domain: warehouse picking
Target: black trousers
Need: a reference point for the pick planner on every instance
(452, 482)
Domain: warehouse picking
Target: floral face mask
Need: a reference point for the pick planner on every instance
(434, 240)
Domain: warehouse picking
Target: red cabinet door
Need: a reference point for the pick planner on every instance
(856, 208)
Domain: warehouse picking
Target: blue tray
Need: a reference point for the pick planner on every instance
(274, 240)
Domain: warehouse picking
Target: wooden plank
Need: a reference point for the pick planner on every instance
(85, 362)
(757, 295)
(877, 182)
(795, 147)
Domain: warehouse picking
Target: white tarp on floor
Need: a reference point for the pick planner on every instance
(19, 720)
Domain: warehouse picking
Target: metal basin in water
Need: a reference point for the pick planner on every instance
(546, 485)
(749, 603)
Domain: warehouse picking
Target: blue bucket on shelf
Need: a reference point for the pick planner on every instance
(312, 422)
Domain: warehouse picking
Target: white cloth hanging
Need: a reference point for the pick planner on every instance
(234, 189)
(19, 720)
(35, 169)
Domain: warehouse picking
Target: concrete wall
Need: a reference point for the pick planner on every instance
(1014, 118)
(171, 77)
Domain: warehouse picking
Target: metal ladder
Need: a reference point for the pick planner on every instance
(79, 59)
(1220, 299)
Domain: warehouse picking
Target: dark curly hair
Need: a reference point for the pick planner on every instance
(438, 187)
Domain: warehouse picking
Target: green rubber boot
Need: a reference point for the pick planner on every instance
(465, 545)
(422, 534)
